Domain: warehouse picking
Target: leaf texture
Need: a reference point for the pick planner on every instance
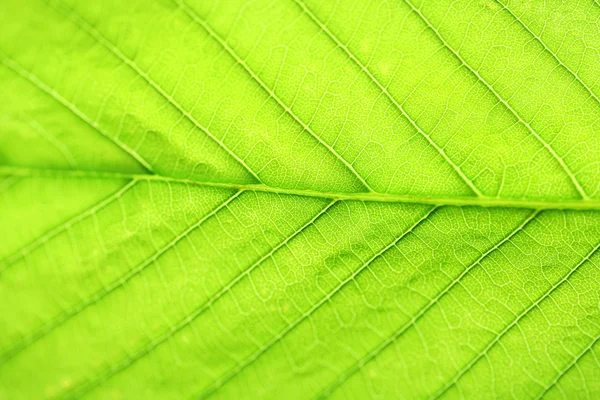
(299, 199)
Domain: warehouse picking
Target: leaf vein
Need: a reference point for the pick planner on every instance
(506, 104)
(515, 322)
(211, 32)
(87, 386)
(389, 96)
(38, 83)
(361, 196)
(547, 49)
(399, 332)
(85, 26)
(36, 243)
(47, 328)
(253, 357)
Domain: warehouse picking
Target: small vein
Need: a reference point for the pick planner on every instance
(57, 144)
(391, 98)
(568, 367)
(194, 16)
(23, 252)
(80, 22)
(8, 183)
(211, 389)
(47, 328)
(543, 142)
(554, 55)
(499, 336)
(38, 83)
(87, 386)
(399, 332)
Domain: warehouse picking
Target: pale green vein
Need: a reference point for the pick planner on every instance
(119, 367)
(7, 183)
(70, 373)
(50, 326)
(57, 144)
(398, 333)
(515, 322)
(554, 55)
(375, 197)
(38, 83)
(568, 367)
(389, 96)
(80, 22)
(192, 14)
(211, 389)
(543, 142)
(40, 241)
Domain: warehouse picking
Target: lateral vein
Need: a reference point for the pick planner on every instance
(24, 251)
(547, 49)
(515, 322)
(389, 96)
(254, 356)
(86, 386)
(506, 104)
(211, 32)
(39, 84)
(85, 26)
(107, 290)
(400, 331)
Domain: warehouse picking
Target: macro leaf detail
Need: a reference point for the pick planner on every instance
(299, 199)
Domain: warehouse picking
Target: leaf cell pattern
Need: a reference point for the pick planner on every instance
(300, 199)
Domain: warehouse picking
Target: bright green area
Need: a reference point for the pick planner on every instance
(299, 199)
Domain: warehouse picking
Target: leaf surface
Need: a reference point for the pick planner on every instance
(299, 199)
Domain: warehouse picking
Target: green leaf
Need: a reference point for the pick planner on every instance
(299, 199)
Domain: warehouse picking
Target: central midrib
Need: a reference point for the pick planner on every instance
(361, 196)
